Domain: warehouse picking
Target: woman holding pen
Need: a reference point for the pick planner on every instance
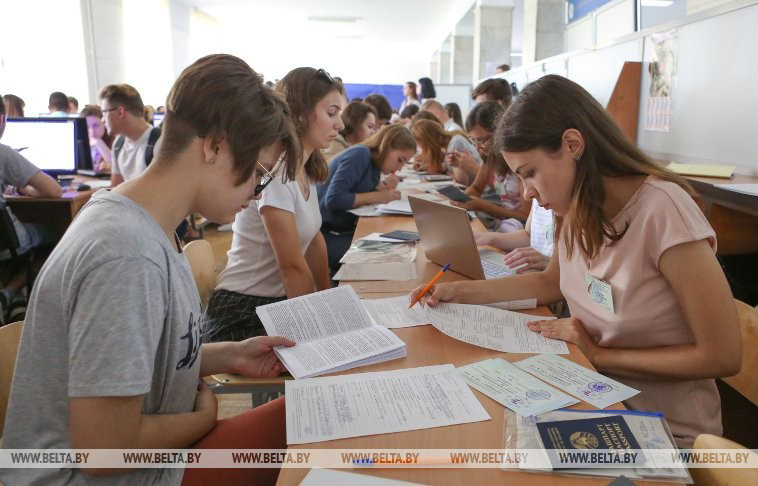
(635, 259)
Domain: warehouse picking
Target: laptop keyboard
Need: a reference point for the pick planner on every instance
(493, 270)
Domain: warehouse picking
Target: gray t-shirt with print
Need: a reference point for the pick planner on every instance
(114, 312)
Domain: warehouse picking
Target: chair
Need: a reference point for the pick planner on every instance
(746, 381)
(201, 260)
(10, 337)
(722, 476)
(9, 241)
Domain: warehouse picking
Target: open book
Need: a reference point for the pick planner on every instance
(332, 330)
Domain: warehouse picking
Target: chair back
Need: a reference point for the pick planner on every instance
(10, 337)
(200, 256)
(746, 381)
(704, 476)
(8, 236)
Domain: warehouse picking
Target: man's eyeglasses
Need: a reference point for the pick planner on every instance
(326, 76)
(264, 181)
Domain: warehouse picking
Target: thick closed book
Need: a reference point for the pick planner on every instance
(611, 433)
(332, 330)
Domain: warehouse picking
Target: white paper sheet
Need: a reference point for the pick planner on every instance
(335, 477)
(365, 211)
(336, 407)
(516, 389)
(588, 385)
(749, 189)
(514, 304)
(490, 328)
(398, 206)
(377, 271)
(332, 330)
(393, 312)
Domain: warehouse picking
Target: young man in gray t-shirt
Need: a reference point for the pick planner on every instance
(111, 353)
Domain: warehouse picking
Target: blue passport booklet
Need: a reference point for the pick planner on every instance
(611, 433)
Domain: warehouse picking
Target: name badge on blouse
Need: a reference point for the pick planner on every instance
(599, 292)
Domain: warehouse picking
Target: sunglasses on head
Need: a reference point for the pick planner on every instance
(326, 76)
(264, 181)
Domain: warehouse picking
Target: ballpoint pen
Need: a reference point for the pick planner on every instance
(429, 285)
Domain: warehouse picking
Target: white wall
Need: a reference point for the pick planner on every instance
(41, 51)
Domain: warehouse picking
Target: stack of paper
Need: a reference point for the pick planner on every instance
(332, 332)
(517, 390)
(369, 251)
(393, 312)
(377, 271)
(704, 170)
(342, 406)
(398, 206)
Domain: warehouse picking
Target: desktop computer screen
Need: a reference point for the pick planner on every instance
(158, 119)
(55, 145)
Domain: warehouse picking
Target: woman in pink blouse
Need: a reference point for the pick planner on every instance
(649, 303)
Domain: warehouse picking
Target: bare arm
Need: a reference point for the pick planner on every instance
(480, 182)
(118, 423)
(545, 286)
(42, 185)
(707, 304)
(317, 260)
(282, 232)
(374, 197)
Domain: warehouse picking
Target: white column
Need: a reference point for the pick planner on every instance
(434, 67)
(493, 25)
(103, 41)
(444, 62)
(462, 50)
(544, 26)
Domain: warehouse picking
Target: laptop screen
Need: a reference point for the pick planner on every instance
(52, 144)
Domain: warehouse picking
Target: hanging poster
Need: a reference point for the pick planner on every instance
(661, 51)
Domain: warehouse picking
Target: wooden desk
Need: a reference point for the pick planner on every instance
(428, 346)
(58, 212)
(733, 216)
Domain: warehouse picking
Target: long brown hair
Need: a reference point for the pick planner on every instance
(303, 88)
(390, 137)
(539, 116)
(434, 138)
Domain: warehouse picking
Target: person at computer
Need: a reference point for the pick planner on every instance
(124, 117)
(111, 355)
(635, 259)
(17, 171)
(99, 139)
(353, 181)
(58, 104)
(73, 105)
(277, 249)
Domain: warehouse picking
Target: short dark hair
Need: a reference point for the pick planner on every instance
(427, 88)
(74, 101)
(496, 89)
(219, 95)
(504, 68)
(124, 95)
(353, 115)
(409, 111)
(58, 100)
(382, 106)
(91, 110)
(485, 115)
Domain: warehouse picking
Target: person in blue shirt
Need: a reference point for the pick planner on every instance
(353, 179)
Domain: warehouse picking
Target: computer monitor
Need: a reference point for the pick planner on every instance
(158, 119)
(55, 145)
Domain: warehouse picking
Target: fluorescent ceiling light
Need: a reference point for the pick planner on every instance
(657, 3)
(318, 18)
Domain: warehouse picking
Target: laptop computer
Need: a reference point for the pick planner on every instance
(447, 238)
